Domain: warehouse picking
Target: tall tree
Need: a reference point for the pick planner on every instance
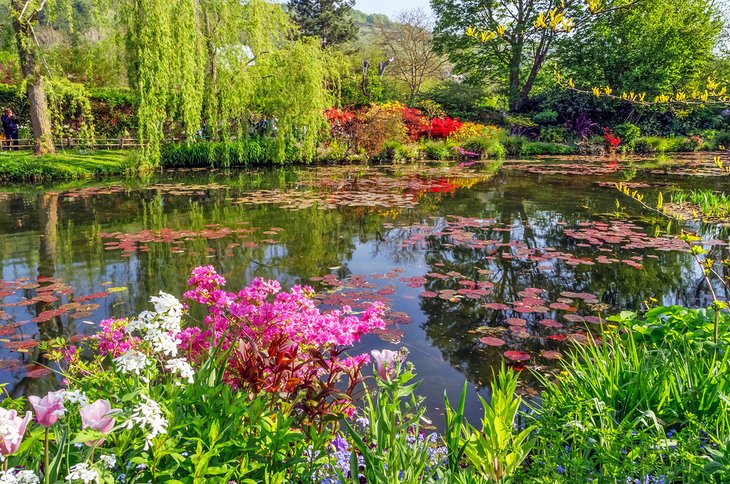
(658, 48)
(409, 43)
(509, 41)
(25, 15)
(330, 20)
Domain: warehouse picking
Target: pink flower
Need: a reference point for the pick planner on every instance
(385, 362)
(48, 408)
(97, 416)
(12, 428)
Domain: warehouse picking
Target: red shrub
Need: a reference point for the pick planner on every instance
(611, 140)
(441, 128)
(417, 125)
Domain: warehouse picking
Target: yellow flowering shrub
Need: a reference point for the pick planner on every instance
(467, 131)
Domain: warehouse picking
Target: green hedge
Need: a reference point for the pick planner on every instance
(248, 152)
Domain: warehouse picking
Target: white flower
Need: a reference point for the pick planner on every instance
(145, 322)
(162, 342)
(17, 476)
(75, 396)
(168, 305)
(148, 416)
(109, 461)
(181, 368)
(131, 362)
(82, 472)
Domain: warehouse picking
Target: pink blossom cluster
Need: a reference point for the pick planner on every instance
(262, 312)
(114, 339)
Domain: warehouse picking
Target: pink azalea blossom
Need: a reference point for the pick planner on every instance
(12, 428)
(97, 416)
(48, 408)
(385, 362)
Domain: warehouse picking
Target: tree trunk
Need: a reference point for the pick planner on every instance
(514, 74)
(40, 122)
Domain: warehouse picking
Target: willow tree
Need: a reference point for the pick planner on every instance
(25, 15)
(164, 46)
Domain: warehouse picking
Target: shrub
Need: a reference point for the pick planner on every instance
(542, 148)
(396, 151)
(376, 126)
(555, 134)
(722, 138)
(545, 117)
(442, 128)
(417, 125)
(485, 148)
(247, 152)
(437, 150)
(515, 145)
(628, 133)
(467, 131)
(656, 144)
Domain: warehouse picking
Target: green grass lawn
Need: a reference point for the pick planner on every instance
(23, 166)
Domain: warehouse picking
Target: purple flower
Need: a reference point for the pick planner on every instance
(48, 408)
(12, 428)
(385, 362)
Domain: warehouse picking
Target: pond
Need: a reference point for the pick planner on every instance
(477, 264)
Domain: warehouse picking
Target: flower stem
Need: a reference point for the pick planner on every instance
(46, 477)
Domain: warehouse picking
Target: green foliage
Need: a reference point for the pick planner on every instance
(396, 151)
(465, 101)
(164, 47)
(640, 403)
(437, 150)
(70, 109)
(656, 144)
(486, 147)
(515, 145)
(546, 117)
(330, 20)
(721, 139)
(387, 446)
(555, 134)
(656, 47)
(628, 133)
(248, 152)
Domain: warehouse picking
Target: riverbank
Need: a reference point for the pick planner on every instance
(23, 166)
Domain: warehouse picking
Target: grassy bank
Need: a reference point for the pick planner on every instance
(23, 166)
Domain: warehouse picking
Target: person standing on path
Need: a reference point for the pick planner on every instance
(10, 127)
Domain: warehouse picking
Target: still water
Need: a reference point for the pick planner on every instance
(472, 261)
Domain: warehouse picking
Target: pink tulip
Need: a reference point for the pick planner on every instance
(385, 361)
(12, 428)
(97, 416)
(48, 408)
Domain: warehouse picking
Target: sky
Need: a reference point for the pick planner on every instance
(390, 7)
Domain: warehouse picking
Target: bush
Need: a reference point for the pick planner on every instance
(628, 133)
(546, 117)
(656, 144)
(515, 145)
(542, 148)
(437, 150)
(722, 138)
(467, 131)
(247, 152)
(555, 134)
(396, 151)
(485, 148)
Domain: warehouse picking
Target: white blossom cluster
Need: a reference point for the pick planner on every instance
(75, 396)
(18, 476)
(148, 417)
(181, 368)
(161, 327)
(132, 362)
(82, 472)
(109, 461)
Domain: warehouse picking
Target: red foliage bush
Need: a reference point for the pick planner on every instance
(441, 128)
(611, 140)
(417, 125)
